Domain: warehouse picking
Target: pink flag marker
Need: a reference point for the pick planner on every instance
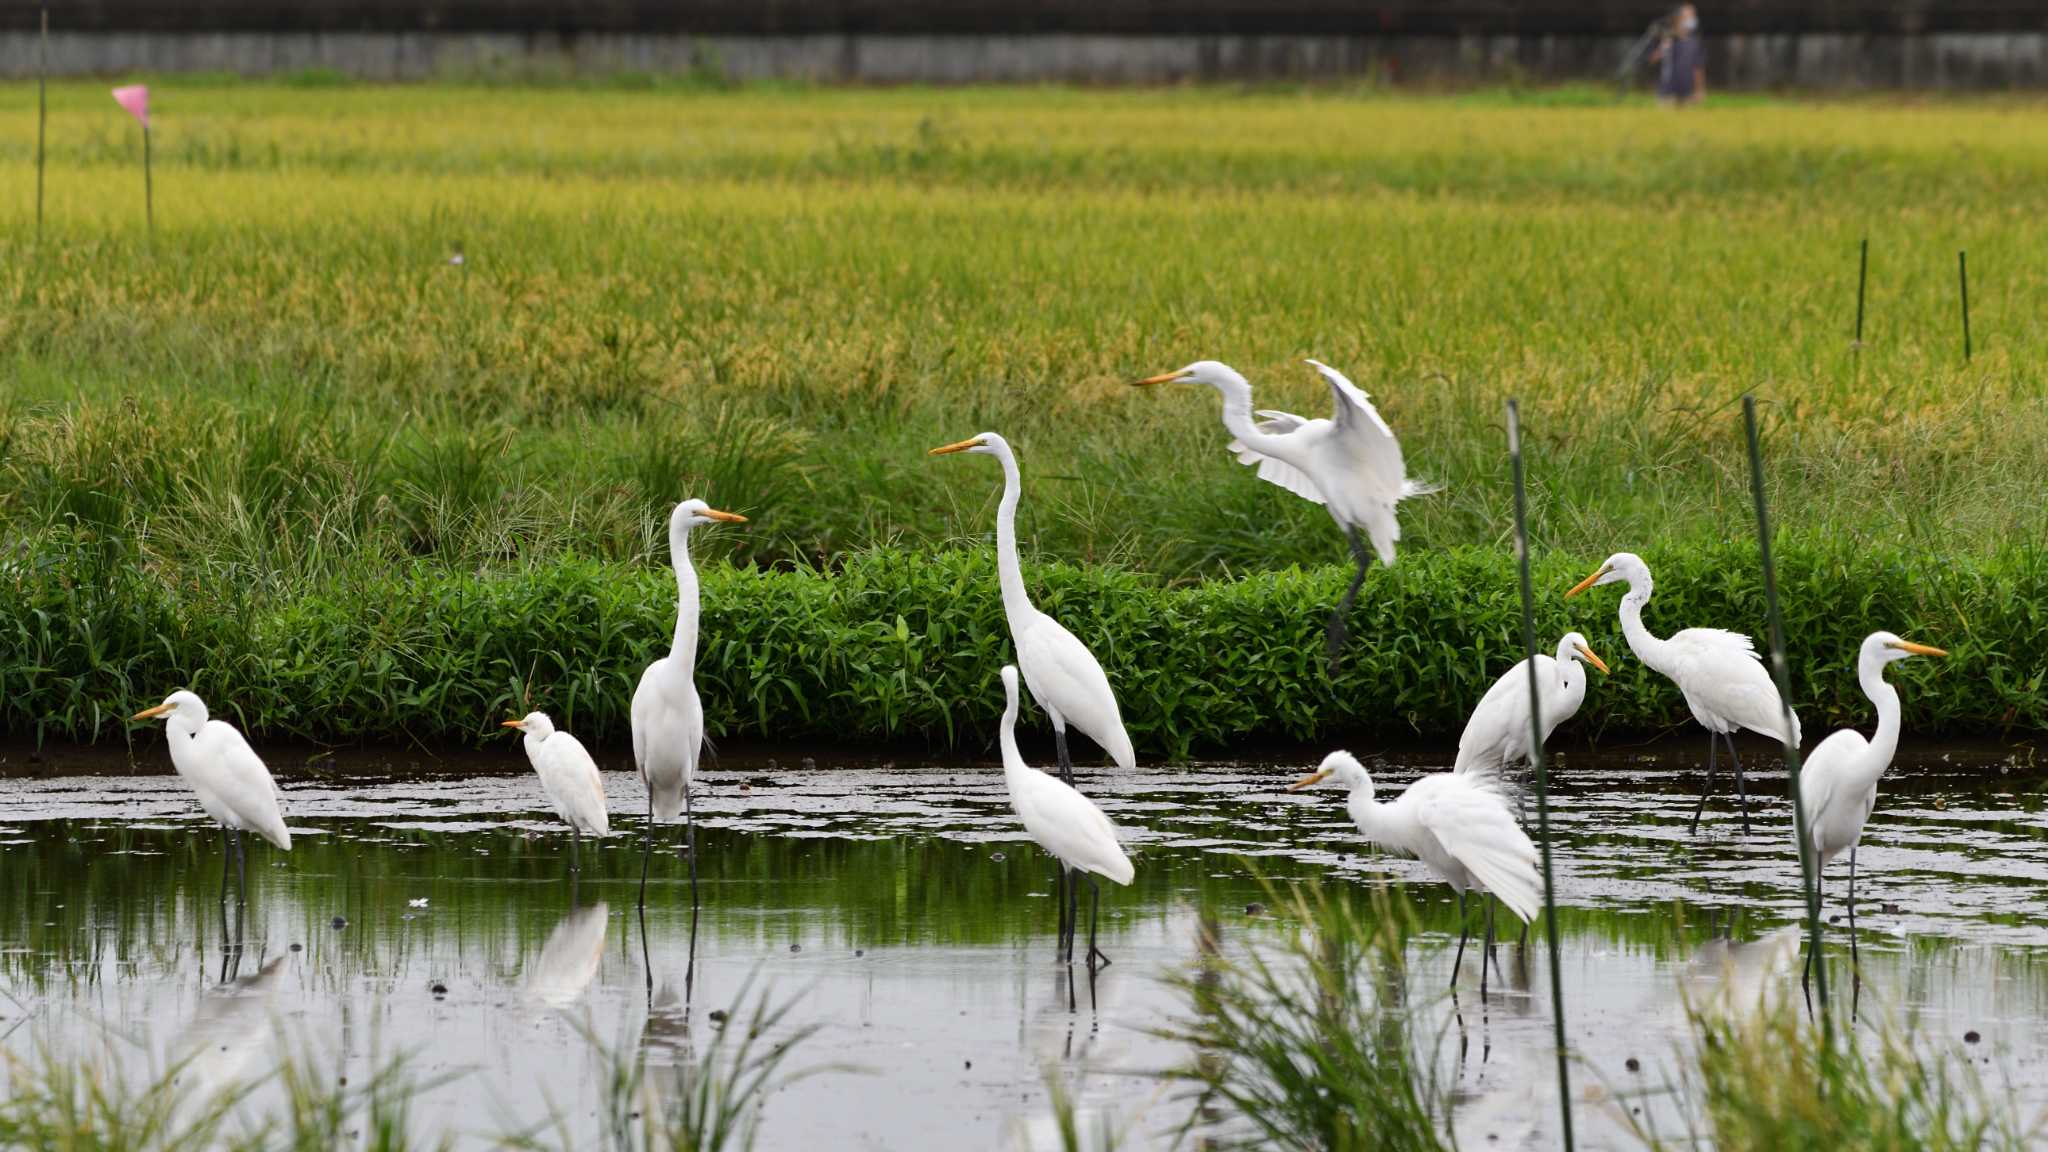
(135, 98)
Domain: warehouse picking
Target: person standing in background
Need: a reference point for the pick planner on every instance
(1682, 60)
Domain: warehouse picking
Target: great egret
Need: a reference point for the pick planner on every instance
(569, 777)
(1461, 825)
(1718, 672)
(1065, 823)
(1497, 736)
(1350, 463)
(225, 773)
(668, 718)
(1838, 781)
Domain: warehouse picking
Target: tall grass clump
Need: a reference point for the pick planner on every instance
(1306, 1043)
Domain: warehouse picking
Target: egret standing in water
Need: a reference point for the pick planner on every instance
(1350, 464)
(1838, 781)
(225, 773)
(668, 717)
(1063, 675)
(1065, 823)
(568, 776)
(1496, 738)
(1719, 673)
(1461, 825)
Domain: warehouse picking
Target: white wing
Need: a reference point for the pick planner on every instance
(570, 778)
(1272, 471)
(668, 735)
(1065, 677)
(1497, 735)
(225, 766)
(1476, 827)
(1070, 826)
(570, 958)
(1725, 683)
(1834, 817)
(1363, 476)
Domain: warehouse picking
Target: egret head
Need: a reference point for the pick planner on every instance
(1343, 767)
(1886, 647)
(1574, 646)
(695, 513)
(534, 724)
(986, 444)
(179, 705)
(1009, 675)
(1213, 373)
(1620, 568)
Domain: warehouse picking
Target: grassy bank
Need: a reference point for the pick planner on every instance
(895, 645)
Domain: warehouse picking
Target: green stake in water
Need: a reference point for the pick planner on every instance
(42, 115)
(1782, 675)
(1862, 277)
(1963, 277)
(1536, 758)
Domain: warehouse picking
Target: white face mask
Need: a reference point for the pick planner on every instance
(1690, 24)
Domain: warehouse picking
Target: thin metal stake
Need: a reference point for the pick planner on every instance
(148, 192)
(42, 116)
(1780, 672)
(1862, 278)
(1564, 1076)
(1963, 277)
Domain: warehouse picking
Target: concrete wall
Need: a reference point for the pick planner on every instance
(1941, 60)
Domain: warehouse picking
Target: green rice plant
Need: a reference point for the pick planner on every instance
(1307, 1044)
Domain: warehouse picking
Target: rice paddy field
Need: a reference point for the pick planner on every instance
(371, 437)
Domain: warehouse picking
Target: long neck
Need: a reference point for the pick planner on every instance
(1649, 649)
(1885, 742)
(1016, 602)
(684, 649)
(1237, 417)
(1013, 760)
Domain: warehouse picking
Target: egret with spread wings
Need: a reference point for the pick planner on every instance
(230, 780)
(1350, 463)
(1461, 825)
(1718, 672)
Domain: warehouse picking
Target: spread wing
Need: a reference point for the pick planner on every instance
(1368, 439)
(1276, 423)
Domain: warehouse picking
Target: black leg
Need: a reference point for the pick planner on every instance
(1855, 961)
(1486, 950)
(646, 855)
(1459, 963)
(241, 872)
(1059, 904)
(575, 849)
(690, 845)
(1094, 953)
(227, 863)
(1741, 792)
(1338, 629)
(1059, 742)
(1705, 788)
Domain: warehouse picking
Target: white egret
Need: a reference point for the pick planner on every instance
(568, 776)
(225, 773)
(1461, 825)
(1350, 463)
(1718, 672)
(1065, 823)
(668, 717)
(1496, 738)
(1838, 781)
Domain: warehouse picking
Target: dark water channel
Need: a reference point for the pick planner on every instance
(900, 912)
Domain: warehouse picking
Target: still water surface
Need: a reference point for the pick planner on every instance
(898, 910)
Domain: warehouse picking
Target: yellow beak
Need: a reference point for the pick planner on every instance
(1595, 661)
(151, 713)
(1162, 378)
(1308, 781)
(962, 446)
(513, 724)
(1918, 649)
(1588, 582)
(727, 517)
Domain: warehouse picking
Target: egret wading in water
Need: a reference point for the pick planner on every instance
(1838, 781)
(1065, 823)
(668, 717)
(568, 776)
(1063, 675)
(1496, 738)
(1718, 672)
(1461, 825)
(225, 773)
(1349, 463)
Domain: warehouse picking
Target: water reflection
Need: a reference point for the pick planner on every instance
(569, 959)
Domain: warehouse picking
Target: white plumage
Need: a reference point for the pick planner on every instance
(227, 776)
(567, 774)
(1462, 826)
(667, 715)
(1496, 738)
(1838, 781)
(1063, 675)
(1065, 823)
(1718, 672)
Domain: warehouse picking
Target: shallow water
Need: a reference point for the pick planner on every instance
(899, 912)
